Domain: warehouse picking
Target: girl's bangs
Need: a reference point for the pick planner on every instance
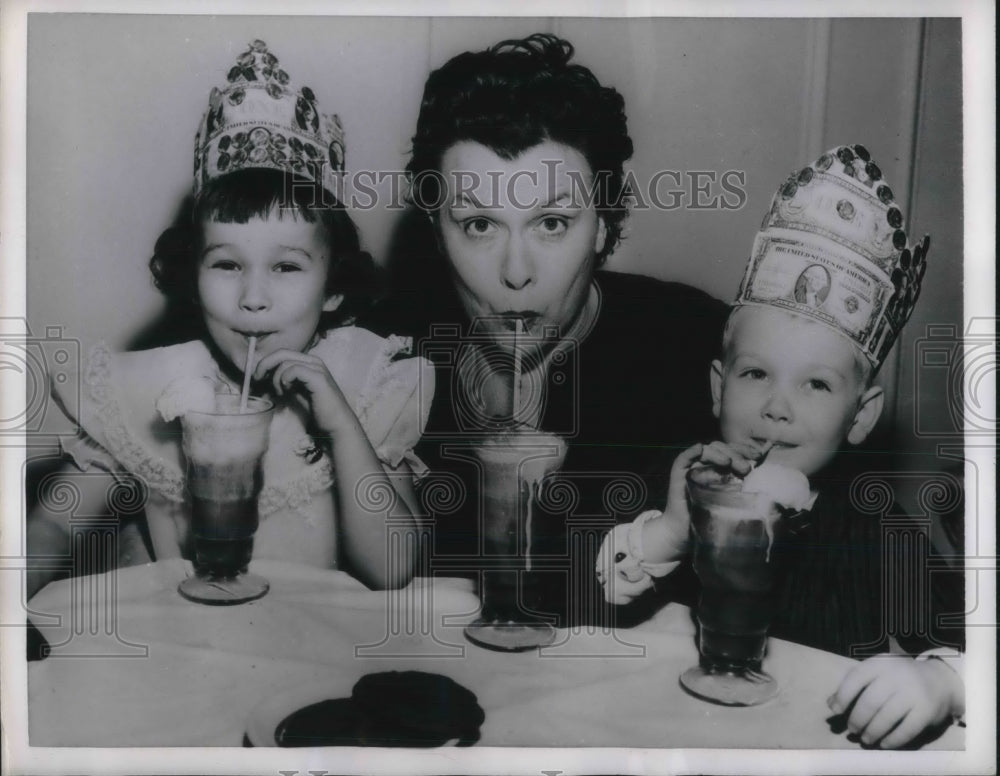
(257, 193)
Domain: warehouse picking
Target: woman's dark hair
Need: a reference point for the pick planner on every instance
(513, 96)
(254, 193)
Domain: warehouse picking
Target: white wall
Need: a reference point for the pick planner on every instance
(114, 102)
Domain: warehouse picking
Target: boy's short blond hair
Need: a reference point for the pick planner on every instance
(862, 365)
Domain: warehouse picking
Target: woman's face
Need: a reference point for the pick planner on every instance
(520, 236)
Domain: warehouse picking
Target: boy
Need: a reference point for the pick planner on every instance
(794, 383)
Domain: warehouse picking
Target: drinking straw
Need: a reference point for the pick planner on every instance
(517, 369)
(763, 450)
(513, 414)
(527, 527)
(247, 371)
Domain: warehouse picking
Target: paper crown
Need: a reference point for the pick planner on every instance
(258, 121)
(833, 248)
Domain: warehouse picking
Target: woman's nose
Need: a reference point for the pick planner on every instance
(254, 295)
(777, 407)
(518, 268)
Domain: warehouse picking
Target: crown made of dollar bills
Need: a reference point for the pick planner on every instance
(833, 247)
(258, 121)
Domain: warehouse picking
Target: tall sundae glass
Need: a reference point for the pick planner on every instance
(513, 465)
(738, 527)
(224, 448)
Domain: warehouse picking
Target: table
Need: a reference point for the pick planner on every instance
(134, 664)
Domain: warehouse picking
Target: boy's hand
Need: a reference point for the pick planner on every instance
(618, 572)
(740, 459)
(306, 378)
(677, 512)
(666, 539)
(895, 698)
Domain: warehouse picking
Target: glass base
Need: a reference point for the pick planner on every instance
(730, 688)
(224, 592)
(510, 636)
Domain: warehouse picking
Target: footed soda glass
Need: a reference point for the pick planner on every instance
(224, 450)
(739, 567)
(512, 465)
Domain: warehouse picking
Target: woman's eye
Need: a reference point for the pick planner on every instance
(478, 227)
(285, 267)
(552, 225)
(224, 264)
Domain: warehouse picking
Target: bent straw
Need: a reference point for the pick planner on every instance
(245, 393)
(517, 370)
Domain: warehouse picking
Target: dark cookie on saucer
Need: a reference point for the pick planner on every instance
(414, 708)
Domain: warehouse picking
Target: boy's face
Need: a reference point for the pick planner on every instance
(793, 383)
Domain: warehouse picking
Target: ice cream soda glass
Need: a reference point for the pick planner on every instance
(513, 465)
(224, 450)
(737, 556)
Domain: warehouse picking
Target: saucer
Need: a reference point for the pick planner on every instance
(271, 713)
(324, 714)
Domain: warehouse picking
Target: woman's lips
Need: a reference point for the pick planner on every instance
(527, 318)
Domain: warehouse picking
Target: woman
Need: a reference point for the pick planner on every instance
(517, 175)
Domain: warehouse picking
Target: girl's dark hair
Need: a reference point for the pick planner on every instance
(254, 193)
(512, 97)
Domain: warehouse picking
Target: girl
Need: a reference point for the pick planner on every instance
(263, 254)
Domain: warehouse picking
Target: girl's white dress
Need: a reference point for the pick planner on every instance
(122, 431)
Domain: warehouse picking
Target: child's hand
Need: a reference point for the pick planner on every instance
(663, 541)
(740, 459)
(666, 539)
(307, 378)
(677, 511)
(618, 570)
(895, 698)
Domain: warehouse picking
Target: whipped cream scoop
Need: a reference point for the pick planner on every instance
(187, 394)
(786, 487)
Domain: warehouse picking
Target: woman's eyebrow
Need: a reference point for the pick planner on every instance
(466, 199)
(561, 198)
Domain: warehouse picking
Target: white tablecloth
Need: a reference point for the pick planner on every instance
(135, 664)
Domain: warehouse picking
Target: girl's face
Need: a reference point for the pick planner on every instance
(265, 278)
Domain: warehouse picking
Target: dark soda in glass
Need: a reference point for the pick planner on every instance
(738, 565)
(224, 453)
(513, 465)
